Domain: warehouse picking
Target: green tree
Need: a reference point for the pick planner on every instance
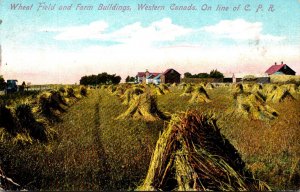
(132, 79)
(2, 83)
(102, 78)
(187, 75)
(127, 79)
(216, 74)
(115, 79)
(202, 75)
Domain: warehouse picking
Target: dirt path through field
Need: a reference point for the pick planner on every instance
(84, 164)
(93, 151)
(104, 176)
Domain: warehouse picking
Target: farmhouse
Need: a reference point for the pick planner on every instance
(152, 78)
(282, 69)
(156, 80)
(146, 77)
(169, 76)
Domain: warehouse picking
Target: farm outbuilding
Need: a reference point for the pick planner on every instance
(169, 76)
(242, 77)
(282, 69)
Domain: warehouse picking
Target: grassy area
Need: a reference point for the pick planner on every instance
(94, 151)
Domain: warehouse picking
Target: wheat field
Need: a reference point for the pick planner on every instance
(104, 139)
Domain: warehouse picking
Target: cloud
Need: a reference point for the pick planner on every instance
(133, 53)
(239, 29)
(92, 31)
(163, 30)
(158, 31)
(67, 66)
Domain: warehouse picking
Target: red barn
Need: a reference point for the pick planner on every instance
(281, 69)
(170, 76)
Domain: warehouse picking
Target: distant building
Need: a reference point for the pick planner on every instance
(146, 77)
(152, 78)
(282, 69)
(241, 77)
(169, 76)
(157, 80)
(141, 77)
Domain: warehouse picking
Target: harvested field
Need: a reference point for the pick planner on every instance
(106, 139)
(191, 154)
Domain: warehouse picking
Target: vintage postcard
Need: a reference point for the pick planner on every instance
(149, 95)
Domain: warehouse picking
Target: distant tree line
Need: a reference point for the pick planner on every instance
(213, 74)
(129, 79)
(102, 78)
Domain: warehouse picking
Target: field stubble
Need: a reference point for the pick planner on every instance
(94, 151)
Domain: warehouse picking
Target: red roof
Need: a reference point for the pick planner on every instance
(154, 74)
(274, 68)
(141, 74)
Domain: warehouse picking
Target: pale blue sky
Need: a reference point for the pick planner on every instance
(61, 46)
